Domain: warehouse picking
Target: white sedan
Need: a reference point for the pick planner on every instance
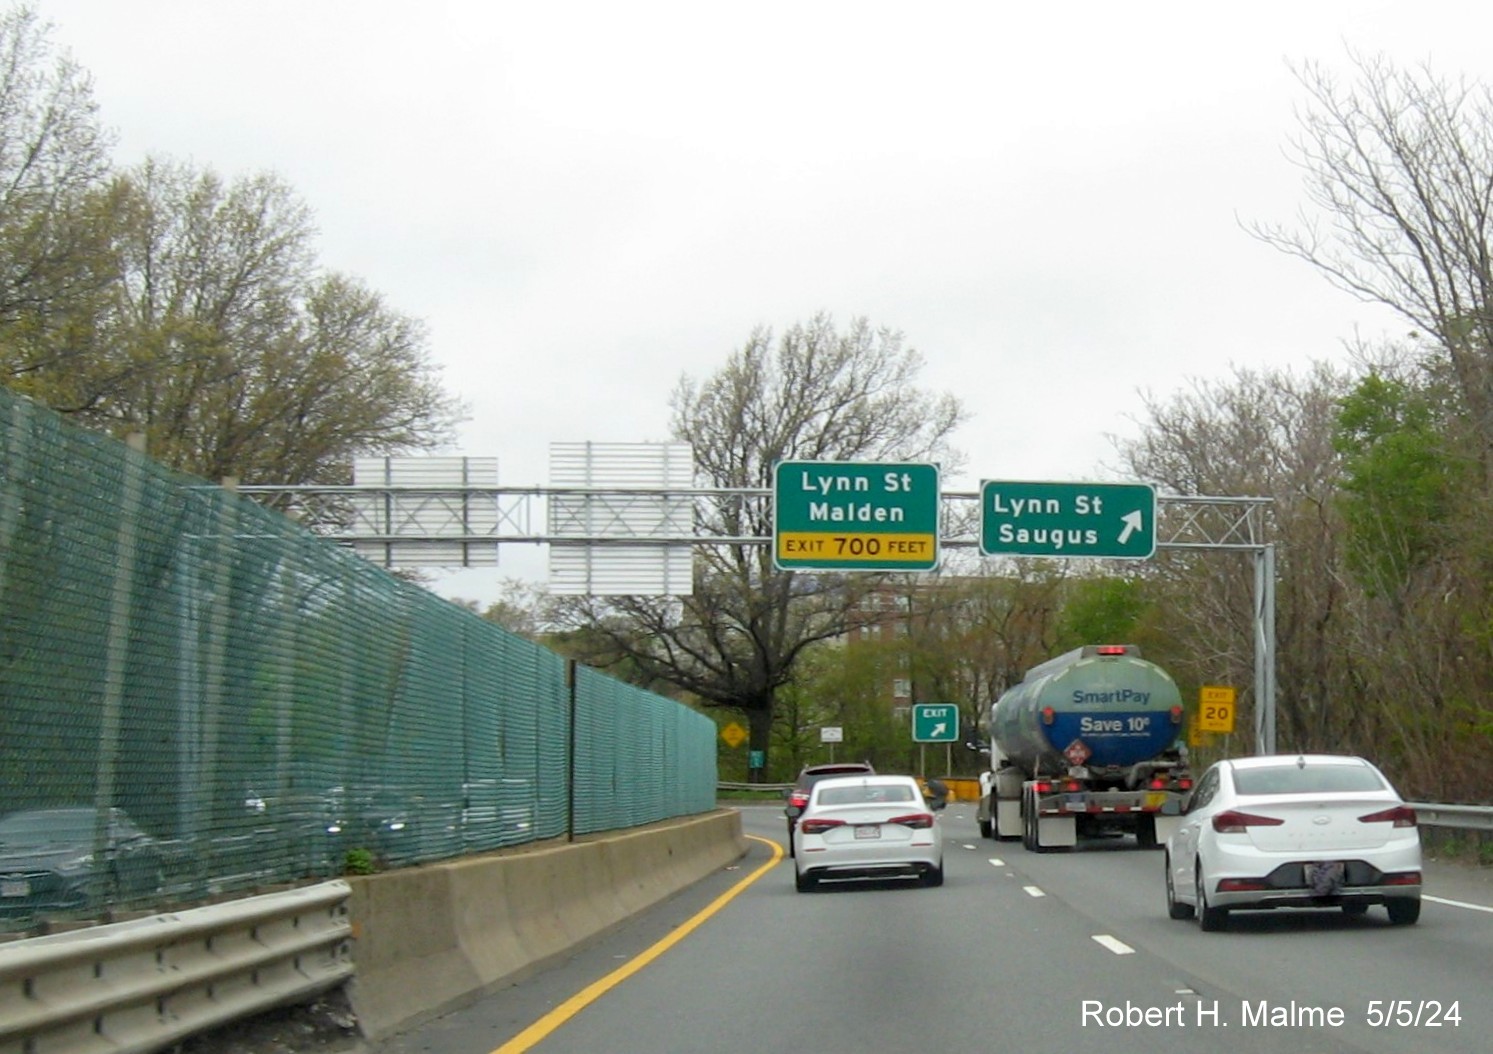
(1310, 830)
(867, 827)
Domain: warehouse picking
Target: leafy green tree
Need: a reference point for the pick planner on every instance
(167, 301)
(54, 164)
(846, 685)
(1399, 481)
(223, 343)
(1399, 167)
(1102, 610)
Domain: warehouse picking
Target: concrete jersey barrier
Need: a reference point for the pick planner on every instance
(430, 939)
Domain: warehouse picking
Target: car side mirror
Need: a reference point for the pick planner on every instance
(794, 811)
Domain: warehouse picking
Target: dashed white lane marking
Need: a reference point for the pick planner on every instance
(1033, 891)
(1119, 947)
(1457, 903)
(994, 862)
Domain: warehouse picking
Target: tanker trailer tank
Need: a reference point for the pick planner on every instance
(1086, 744)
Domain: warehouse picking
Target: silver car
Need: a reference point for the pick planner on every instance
(1304, 831)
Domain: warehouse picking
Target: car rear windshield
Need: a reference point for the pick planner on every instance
(875, 792)
(1308, 779)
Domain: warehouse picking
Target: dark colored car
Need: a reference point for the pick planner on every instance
(48, 861)
(798, 797)
(381, 820)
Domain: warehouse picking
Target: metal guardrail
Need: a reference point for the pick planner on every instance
(777, 787)
(1429, 814)
(143, 985)
(1467, 817)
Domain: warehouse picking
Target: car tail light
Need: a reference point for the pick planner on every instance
(1241, 885)
(1232, 821)
(1399, 815)
(819, 826)
(917, 821)
(1401, 878)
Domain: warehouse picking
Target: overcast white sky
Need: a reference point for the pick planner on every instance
(585, 200)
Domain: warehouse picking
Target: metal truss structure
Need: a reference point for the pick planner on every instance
(633, 517)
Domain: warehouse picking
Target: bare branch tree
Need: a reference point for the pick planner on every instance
(816, 393)
(1400, 169)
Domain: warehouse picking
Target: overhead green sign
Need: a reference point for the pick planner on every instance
(935, 723)
(855, 516)
(1067, 519)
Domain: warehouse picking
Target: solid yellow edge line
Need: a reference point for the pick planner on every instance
(594, 991)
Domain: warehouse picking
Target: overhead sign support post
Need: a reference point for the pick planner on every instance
(855, 516)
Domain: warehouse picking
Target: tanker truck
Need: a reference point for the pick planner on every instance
(1088, 743)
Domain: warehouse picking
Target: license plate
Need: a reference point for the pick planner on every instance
(15, 889)
(868, 830)
(1325, 878)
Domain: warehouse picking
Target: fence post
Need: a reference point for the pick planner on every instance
(570, 679)
(116, 655)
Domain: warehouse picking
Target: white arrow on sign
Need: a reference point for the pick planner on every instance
(1133, 522)
(938, 729)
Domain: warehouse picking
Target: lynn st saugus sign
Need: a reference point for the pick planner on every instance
(1021, 518)
(855, 516)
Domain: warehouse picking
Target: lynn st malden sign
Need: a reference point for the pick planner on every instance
(855, 516)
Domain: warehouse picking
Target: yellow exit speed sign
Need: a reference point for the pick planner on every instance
(1216, 708)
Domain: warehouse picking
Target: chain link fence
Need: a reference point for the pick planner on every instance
(198, 696)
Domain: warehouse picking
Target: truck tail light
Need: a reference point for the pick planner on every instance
(1232, 821)
(1041, 787)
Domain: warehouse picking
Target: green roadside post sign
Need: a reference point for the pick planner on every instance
(935, 723)
(1022, 518)
(855, 516)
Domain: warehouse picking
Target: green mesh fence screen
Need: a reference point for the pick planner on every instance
(197, 696)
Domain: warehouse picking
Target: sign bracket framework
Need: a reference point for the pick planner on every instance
(1195, 522)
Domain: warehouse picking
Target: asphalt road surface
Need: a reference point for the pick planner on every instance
(1062, 952)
